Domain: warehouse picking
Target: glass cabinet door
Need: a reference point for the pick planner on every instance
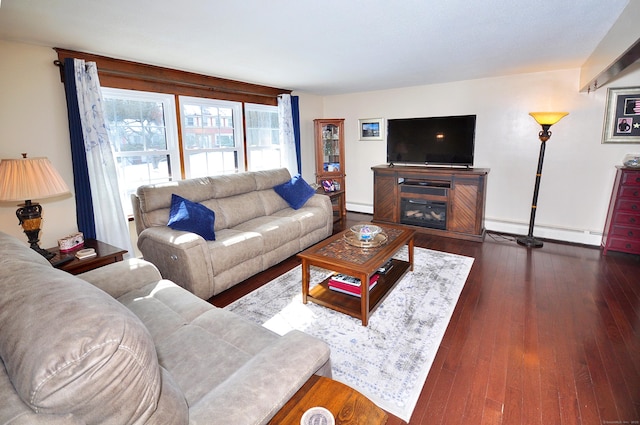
(331, 148)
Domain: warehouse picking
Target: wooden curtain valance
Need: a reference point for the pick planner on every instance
(123, 74)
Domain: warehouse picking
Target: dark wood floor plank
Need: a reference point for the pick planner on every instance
(574, 311)
(547, 307)
(539, 336)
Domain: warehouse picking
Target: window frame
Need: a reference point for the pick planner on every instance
(238, 134)
(249, 149)
(171, 137)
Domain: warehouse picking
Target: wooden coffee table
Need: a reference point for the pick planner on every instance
(347, 405)
(337, 255)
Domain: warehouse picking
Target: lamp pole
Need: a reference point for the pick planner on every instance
(529, 241)
(546, 120)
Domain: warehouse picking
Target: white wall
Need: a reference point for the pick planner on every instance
(33, 119)
(578, 169)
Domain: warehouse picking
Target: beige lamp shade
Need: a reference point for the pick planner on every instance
(29, 178)
(548, 118)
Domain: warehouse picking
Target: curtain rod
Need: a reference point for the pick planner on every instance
(149, 78)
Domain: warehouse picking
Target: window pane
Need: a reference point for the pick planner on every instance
(263, 138)
(204, 164)
(211, 136)
(142, 130)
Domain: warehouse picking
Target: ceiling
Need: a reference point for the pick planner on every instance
(323, 47)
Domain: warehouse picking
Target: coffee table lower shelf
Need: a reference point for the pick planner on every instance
(350, 304)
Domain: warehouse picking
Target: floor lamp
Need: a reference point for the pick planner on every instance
(26, 179)
(546, 120)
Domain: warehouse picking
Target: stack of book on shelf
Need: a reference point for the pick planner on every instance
(350, 285)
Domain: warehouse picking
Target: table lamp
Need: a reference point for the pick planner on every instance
(26, 179)
(546, 120)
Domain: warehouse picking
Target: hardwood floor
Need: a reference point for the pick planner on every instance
(539, 336)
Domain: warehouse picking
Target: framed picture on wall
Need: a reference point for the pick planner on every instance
(371, 129)
(622, 116)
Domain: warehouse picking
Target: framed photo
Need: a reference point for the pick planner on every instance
(622, 116)
(371, 129)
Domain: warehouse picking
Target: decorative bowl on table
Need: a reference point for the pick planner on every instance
(365, 232)
(365, 236)
(631, 160)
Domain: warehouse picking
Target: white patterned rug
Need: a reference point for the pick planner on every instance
(389, 360)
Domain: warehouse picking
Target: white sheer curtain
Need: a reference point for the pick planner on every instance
(288, 143)
(111, 224)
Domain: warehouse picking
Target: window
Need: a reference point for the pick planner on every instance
(143, 123)
(142, 130)
(263, 137)
(212, 139)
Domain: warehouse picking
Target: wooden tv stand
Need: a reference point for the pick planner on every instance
(441, 201)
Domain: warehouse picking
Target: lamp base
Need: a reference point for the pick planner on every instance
(46, 254)
(30, 216)
(529, 242)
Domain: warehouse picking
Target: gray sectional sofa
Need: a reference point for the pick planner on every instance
(255, 228)
(119, 345)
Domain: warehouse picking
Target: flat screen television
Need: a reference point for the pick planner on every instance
(434, 140)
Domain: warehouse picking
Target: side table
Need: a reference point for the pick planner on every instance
(105, 254)
(347, 405)
(338, 204)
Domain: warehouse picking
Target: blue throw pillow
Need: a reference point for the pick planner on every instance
(191, 217)
(296, 191)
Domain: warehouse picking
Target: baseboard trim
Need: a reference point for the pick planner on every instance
(361, 208)
(583, 237)
(579, 236)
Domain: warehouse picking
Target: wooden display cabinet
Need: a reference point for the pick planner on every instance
(329, 139)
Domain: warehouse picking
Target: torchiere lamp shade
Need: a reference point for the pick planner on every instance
(548, 118)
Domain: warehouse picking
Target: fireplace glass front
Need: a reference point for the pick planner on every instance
(420, 212)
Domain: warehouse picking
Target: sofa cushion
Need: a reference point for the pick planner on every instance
(157, 196)
(266, 179)
(191, 217)
(234, 247)
(275, 231)
(296, 191)
(199, 344)
(231, 184)
(240, 208)
(69, 348)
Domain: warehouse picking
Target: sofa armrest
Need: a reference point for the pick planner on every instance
(255, 393)
(117, 279)
(319, 200)
(182, 257)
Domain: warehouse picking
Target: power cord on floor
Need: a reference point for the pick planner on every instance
(501, 237)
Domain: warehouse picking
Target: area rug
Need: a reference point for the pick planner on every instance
(389, 360)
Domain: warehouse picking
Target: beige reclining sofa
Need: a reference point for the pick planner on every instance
(255, 228)
(119, 345)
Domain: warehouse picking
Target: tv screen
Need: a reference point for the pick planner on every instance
(434, 140)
